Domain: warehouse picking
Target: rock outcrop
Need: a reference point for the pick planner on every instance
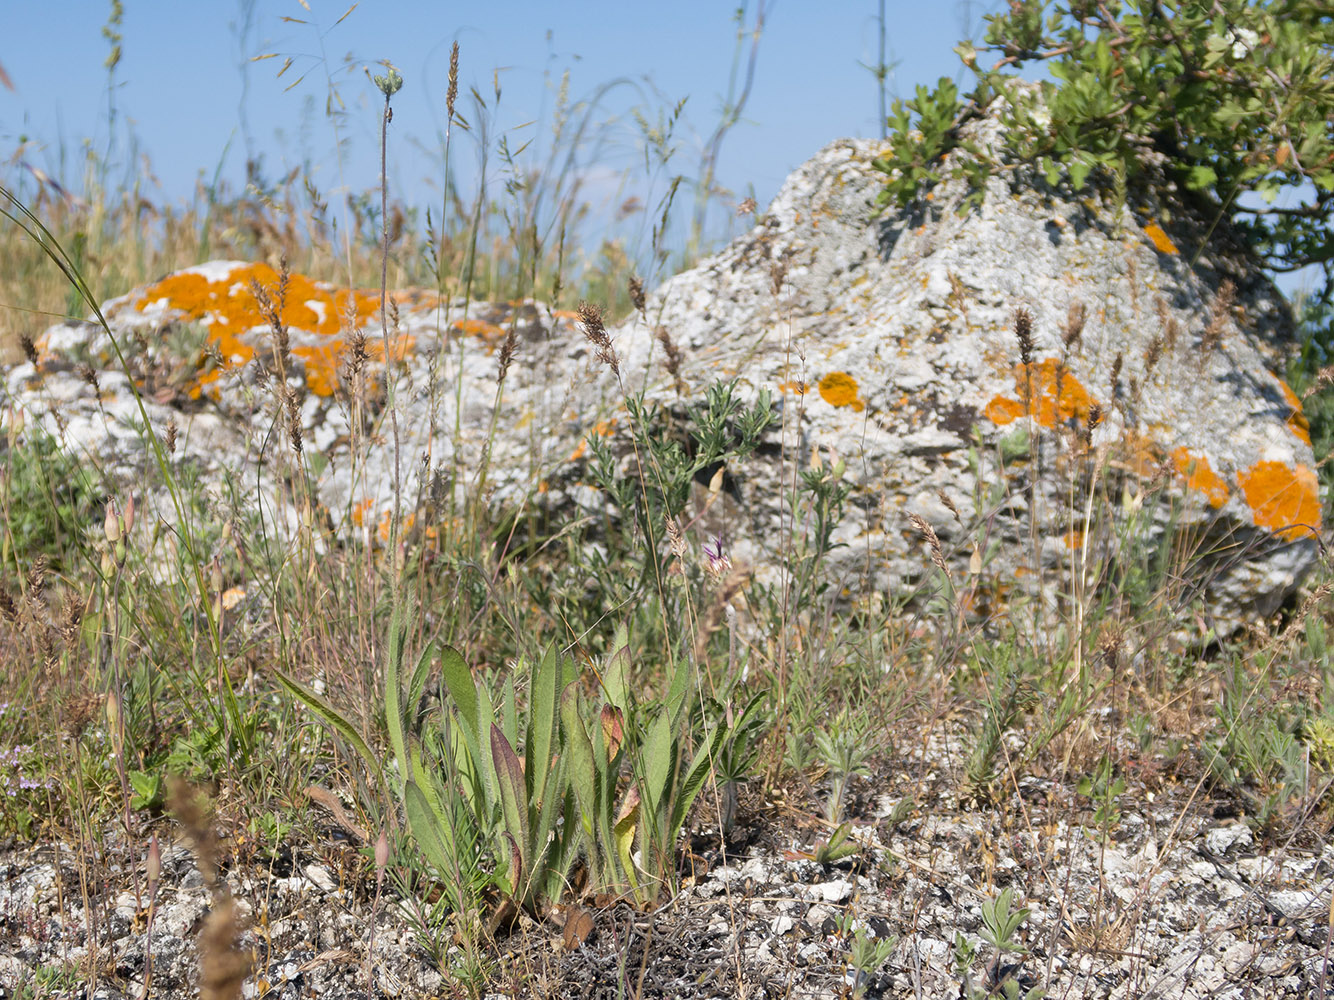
(994, 371)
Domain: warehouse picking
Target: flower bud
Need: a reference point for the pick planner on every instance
(111, 524)
(153, 865)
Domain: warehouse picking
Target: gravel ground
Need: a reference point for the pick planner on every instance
(1181, 900)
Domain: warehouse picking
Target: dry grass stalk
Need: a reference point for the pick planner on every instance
(728, 589)
(223, 966)
(271, 308)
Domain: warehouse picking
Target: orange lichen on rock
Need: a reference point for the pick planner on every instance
(489, 332)
(603, 428)
(1296, 420)
(1195, 470)
(229, 302)
(1139, 455)
(1002, 410)
(840, 389)
(1053, 392)
(1285, 499)
(1160, 239)
(228, 307)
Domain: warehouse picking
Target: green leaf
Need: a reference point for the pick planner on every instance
(1079, 171)
(340, 725)
(543, 722)
(615, 672)
(694, 778)
(458, 678)
(393, 693)
(513, 800)
(1201, 177)
(432, 837)
(583, 769)
(420, 675)
(658, 760)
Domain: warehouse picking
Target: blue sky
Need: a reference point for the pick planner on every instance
(190, 101)
(188, 92)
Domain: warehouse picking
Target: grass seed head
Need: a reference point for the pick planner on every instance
(1074, 325)
(637, 298)
(932, 540)
(1023, 332)
(590, 315)
(452, 92)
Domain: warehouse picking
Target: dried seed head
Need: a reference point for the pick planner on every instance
(1116, 373)
(37, 578)
(293, 407)
(1219, 315)
(746, 207)
(673, 358)
(507, 353)
(79, 712)
(71, 614)
(9, 609)
(223, 964)
(1172, 333)
(932, 541)
(590, 315)
(1074, 324)
(29, 348)
(1023, 332)
(271, 310)
(354, 364)
(637, 294)
(1153, 353)
(675, 541)
(1094, 418)
(192, 812)
(88, 375)
(452, 92)
(949, 505)
(169, 439)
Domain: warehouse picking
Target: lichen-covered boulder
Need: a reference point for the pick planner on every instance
(1046, 379)
(994, 369)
